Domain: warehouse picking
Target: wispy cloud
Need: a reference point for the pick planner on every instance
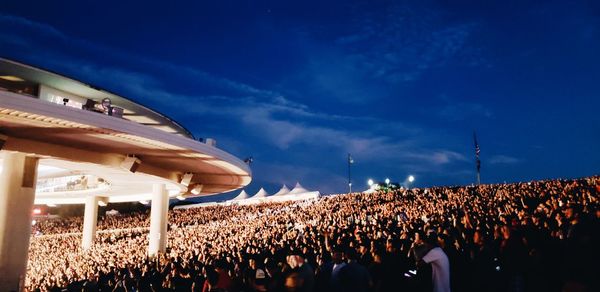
(21, 22)
(504, 159)
(462, 110)
(259, 119)
(383, 51)
(402, 42)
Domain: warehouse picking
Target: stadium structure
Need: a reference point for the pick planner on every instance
(66, 142)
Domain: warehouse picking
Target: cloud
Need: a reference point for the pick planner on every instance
(13, 40)
(462, 110)
(381, 52)
(399, 44)
(21, 22)
(438, 157)
(503, 159)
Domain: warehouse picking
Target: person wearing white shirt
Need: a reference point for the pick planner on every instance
(440, 265)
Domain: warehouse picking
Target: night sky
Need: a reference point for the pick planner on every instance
(401, 85)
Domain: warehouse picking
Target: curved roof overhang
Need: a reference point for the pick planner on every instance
(92, 143)
(133, 110)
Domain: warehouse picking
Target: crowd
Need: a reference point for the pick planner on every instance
(75, 224)
(537, 236)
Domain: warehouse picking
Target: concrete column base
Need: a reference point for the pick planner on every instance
(90, 220)
(158, 220)
(17, 192)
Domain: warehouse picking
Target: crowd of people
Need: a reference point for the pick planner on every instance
(536, 236)
(117, 221)
(75, 224)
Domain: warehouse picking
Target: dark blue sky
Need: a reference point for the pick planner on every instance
(401, 85)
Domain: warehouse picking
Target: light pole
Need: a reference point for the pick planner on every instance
(411, 179)
(477, 161)
(350, 162)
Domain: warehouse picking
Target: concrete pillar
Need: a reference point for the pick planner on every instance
(158, 220)
(17, 192)
(90, 220)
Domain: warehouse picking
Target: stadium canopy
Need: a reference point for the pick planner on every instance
(90, 142)
(66, 142)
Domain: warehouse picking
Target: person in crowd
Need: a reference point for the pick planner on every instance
(353, 277)
(304, 271)
(440, 265)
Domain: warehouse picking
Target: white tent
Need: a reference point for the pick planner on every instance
(199, 205)
(299, 197)
(283, 191)
(298, 193)
(242, 196)
(261, 194)
(298, 189)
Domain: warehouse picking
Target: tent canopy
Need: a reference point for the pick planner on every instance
(283, 191)
(261, 194)
(242, 196)
(298, 189)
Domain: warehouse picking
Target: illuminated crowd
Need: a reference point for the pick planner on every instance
(537, 236)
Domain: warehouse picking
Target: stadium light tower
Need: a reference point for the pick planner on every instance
(370, 182)
(387, 181)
